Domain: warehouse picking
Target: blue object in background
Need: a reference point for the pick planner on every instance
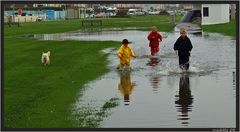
(50, 14)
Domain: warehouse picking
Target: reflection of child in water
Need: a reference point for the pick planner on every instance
(153, 61)
(185, 98)
(155, 82)
(125, 86)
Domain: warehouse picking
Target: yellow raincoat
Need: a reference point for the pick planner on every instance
(125, 53)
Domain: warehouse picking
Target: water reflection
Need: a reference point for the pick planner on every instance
(155, 83)
(234, 83)
(153, 61)
(89, 30)
(154, 80)
(184, 99)
(125, 86)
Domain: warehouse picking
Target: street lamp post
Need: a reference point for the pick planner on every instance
(13, 6)
(65, 11)
(25, 6)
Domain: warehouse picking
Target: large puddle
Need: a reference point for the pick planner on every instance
(156, 93)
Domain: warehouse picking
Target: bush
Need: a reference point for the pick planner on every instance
(163, 12)
(122, 12)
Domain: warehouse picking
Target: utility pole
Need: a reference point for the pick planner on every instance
(65, 11)
(13, 7)
(232, 11)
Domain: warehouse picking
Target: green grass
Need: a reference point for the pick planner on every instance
(225, 29)
(37, 96)
(91, 117)
(70, 25)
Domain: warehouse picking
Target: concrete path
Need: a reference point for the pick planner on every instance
(192, 28)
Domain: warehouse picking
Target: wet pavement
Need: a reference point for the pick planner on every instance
(191, 27)
(156, 93)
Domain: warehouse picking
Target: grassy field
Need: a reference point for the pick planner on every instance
(39, 96)
(70, 25)
(225, 29)
(36, 96)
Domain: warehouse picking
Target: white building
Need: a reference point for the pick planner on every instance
(148, 7)
(213, 13)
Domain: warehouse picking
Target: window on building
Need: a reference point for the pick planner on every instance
(205, 11)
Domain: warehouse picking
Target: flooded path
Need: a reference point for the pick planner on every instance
(156, 93)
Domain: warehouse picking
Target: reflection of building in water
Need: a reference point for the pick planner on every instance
(125, 86)
(155, 82)
(184, 99)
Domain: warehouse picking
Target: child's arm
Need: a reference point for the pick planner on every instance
(190, 45)
(132, 53)
(160, 37)
(119, 53)
(176, 45)
(149, 37)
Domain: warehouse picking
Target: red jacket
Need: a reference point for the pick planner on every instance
(154, 42)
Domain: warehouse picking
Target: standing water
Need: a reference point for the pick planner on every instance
(156, 93)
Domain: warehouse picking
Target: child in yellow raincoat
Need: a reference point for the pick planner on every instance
(125, 53)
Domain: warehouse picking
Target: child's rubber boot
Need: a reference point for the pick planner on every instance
(119, 67)
(129, 68)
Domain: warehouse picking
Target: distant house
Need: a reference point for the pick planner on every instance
(187, 7)
(17, 6)
(213, 13)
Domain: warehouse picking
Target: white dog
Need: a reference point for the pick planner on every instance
(46, 58)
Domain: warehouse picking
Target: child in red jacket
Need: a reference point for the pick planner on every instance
(154, 38)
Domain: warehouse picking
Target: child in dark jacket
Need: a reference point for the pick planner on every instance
(183, 47)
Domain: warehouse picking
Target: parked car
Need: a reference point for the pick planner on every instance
(41, 17)
(153, 12)
(90, 15)
(100, 15)
(182, 12)
(131, 12)
(171, 12)
(140, 13)
(109, 14)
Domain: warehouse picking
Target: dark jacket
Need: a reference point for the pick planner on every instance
(183, 45)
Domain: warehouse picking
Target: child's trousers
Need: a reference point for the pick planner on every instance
(184, 61)
(154, 50)
(123, 63)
